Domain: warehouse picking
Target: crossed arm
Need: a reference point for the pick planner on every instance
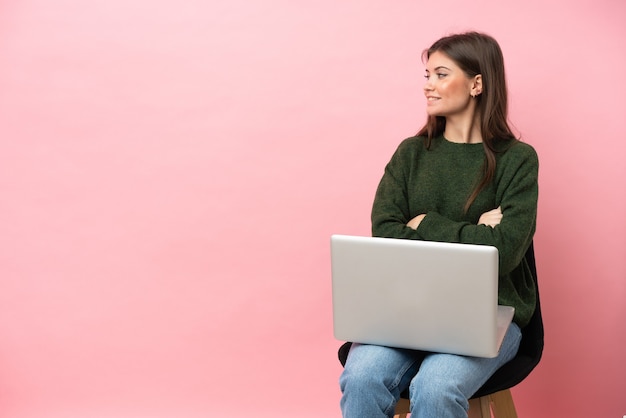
(490, 218)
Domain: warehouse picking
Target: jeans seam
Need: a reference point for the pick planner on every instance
(396, 382)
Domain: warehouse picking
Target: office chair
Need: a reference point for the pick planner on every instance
(495, 394)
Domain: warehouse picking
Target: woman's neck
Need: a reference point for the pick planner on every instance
(463, 129)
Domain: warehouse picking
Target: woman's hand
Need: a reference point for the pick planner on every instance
(491, 218)
(415, 222)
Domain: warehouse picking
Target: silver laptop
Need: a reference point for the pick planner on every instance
(432, 296)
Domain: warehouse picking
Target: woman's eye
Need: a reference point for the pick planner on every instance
(439, 75)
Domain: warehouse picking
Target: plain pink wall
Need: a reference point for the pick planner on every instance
(171, 172)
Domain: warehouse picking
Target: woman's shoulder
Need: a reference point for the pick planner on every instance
(517, 149)
(519, 158)
(407, 151)
(412, 144)
(413, 141)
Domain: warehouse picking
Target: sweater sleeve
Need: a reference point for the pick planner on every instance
(390, 212)
(516, 193)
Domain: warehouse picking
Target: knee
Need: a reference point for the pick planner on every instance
(369, 368)
(435, 392)
(357, 377)
(364, 392)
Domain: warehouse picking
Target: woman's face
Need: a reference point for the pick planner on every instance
(448, 90)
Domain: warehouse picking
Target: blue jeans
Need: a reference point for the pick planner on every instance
(439, 384)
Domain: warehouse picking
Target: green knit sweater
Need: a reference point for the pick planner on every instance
(438, 181)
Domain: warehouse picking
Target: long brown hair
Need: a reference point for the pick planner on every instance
(476, 53)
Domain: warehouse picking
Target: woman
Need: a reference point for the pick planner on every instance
(464, 178)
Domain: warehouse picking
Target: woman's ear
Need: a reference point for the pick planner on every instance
(477, 85)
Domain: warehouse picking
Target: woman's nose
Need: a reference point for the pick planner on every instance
(428, 86)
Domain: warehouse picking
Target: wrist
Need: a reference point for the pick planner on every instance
(415, 222)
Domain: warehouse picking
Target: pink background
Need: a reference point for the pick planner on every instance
(171, 172)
